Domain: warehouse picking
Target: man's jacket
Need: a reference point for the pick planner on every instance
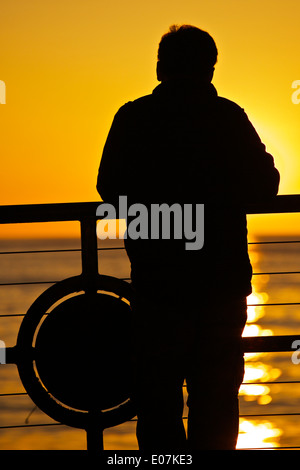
(185, 144)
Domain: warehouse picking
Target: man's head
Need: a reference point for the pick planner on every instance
(186, 51)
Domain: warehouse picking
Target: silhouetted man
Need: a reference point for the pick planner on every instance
(185, 144)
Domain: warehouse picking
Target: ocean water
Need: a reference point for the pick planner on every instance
(267, 410)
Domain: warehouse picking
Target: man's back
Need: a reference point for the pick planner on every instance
(184, 144)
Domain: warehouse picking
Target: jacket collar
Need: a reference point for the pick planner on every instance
(185, 88)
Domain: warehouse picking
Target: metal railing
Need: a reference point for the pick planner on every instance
(85, 213)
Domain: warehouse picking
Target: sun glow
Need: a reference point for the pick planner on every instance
(257, 434)
(254, 313)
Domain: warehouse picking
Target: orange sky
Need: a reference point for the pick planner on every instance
(68, 65)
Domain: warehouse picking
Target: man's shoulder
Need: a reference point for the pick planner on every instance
(136, 109)
(229, 105)
(138, 103)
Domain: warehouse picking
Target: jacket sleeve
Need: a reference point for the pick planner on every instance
(111, 181)
(258, 177)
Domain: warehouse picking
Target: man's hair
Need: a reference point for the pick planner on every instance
(186, 50)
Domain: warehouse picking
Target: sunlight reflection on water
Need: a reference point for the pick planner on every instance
(254, 433)
(257, 434)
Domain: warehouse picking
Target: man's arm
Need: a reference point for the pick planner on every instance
(259, 179)
(111, 178)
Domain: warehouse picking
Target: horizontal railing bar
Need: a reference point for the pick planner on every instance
(267, 414)
(254, 415)
(288, 203)
(77, 211)
(281, 382)
(285, 382)
(12, 394)
(249, 344)
(254, 344)
(61, 212)
(3, 315)
(13, 426)
(122, 247)
(275, 272)
(27, 283)
(262, 415)
(269, 448)
(43, 282)
(258, 415)
(184, 417)
(273, 304)
(67, 250)
(128, 279)
(273, 242)
(288, 382)
(38, 251)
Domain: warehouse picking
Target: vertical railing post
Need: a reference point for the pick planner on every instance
(94, 433)
(89, 253)
(89, 259)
